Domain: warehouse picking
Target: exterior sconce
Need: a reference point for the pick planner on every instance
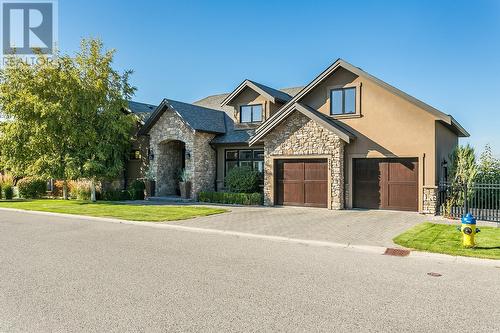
(151, 155)
(188, 155)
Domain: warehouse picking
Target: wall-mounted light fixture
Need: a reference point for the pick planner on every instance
(188, 155)
(151, 155)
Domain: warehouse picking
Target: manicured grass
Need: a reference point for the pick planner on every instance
(153, 213)
(442, 238)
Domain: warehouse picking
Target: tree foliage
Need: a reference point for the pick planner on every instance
(489, 167)
(64, 117)
(463, 167)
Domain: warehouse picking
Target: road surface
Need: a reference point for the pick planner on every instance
(63, 274)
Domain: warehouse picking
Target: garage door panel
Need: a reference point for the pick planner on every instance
(293, 170)
(316, 194)
(293, 192)
(402, 171)
(315, 171)
(390, 183)
(302, 183)
(402, 196)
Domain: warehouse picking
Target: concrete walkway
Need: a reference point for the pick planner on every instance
(359, 227)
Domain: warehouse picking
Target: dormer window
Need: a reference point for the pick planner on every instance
(343, 101)
(251, 113)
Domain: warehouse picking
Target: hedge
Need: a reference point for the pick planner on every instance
(231, 198)
(32, 188)
(115, 195)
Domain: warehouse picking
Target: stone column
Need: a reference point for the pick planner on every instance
(430, 200)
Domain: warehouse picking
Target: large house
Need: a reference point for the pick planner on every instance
(345, 140)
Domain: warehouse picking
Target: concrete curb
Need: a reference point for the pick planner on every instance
(360, 248)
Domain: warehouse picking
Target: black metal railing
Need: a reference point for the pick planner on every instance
(480, 199)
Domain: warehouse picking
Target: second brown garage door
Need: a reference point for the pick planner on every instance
(302, 183)
(390, 183)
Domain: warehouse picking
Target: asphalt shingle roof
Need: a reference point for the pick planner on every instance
(200, 118)
(278, 94)
(142, 110)
(234, 136)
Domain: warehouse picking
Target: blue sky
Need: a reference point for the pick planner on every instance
(446, 53)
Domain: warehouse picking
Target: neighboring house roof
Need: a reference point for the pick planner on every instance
(321, 119)
(272, 94)
(215, 101)
(142, 110)
(197, 117)
(448, 120)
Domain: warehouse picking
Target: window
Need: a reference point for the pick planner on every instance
(251, 158)
(343, 101)
(135, 154)
(250, 113)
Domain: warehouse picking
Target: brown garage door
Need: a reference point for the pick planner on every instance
(302, 183)
(386, 183)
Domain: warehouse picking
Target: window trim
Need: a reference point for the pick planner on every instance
(251, 113)
(357, 102)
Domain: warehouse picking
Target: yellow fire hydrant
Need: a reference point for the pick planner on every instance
(468, 230)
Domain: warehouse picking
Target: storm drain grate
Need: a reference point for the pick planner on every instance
(396, 252)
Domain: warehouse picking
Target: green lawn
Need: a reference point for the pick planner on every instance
(442, 238)
(153, 213)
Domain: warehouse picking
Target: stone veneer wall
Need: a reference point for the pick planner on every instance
(204, 163)
(430, 204)
(201, 165)
(300, 136)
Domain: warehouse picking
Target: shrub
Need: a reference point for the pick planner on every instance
(243, 180)
(32, 188)
(231, 198)
(79, 190)
(116, 195)
(8, 191)
(136, 190)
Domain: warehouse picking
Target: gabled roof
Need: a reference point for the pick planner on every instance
(448, 120)
(142, 110)
(321, 119)
(197, 117)
(271, 94)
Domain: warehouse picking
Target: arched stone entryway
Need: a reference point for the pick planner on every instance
(171, 161)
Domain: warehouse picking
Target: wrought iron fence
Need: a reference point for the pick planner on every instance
(480, 199)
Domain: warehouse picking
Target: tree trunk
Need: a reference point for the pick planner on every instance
(65, 190)
(92, 191)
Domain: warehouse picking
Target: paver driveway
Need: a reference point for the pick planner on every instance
(360, 227)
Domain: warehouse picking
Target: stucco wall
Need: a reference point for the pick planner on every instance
(300, 137)
(446, 141)
(386, 126)
(250, 97)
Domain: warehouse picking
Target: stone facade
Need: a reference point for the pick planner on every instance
(169, 135)
(430, 200)
(302, 137)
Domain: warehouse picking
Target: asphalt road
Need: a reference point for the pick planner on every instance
(60, 275)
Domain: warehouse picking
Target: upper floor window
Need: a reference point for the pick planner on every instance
(343, 101)
(250, 113)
